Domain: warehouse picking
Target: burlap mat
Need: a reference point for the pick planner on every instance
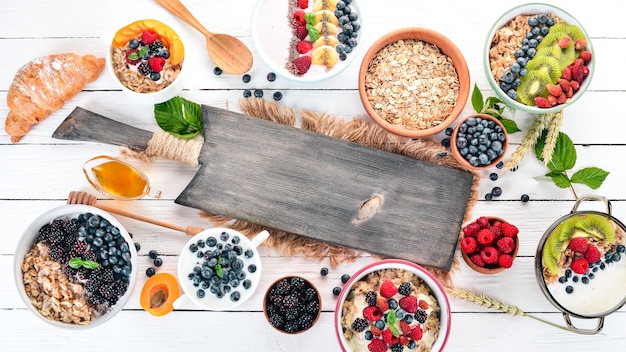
(358, 131)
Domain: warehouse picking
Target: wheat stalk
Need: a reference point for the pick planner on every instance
(485, 301)
(529, 141)
(554, 127)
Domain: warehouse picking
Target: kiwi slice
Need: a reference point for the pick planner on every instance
(598, 226)
(550, 263)
(548, 64)
(564, 57)
(532, 85)
(572, 30)
(551, 39)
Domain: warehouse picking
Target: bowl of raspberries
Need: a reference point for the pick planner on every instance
(489, 244)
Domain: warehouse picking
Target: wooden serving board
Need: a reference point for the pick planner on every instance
(328, 189)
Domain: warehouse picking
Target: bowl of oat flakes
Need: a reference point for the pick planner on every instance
(145, 59)
(75, 266)
(414, 82)
(392, 295)
(538, 58)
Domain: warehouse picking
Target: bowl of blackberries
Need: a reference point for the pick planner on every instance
(75, 266)
(292, 304)
(479, 141)
(538, 58)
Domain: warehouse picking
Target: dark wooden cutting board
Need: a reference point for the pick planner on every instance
(328, 189)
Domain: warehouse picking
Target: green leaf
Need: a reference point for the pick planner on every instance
(309, 17)
(477, 99)
(90, 264)
(75, 263)
(180, 117)
(510, 126)
(590, 176)
(559, 179)
(218, 268)
(143, 51)
(564, 155)
(133, 56)
(493, 101)
(391, 317)
(314, 34)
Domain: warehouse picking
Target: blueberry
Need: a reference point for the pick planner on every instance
(445, 142)
(616, 257)
(150, 271)
(523, 72)
(522, 61)
(525, 198)
(569, 289)
(532, 43)
(258, 93)
(157, 261)
(343, 20)
(340, 5)
(448, 131)
(493, 176)
(271, 76)
(483, 159)
(461, 142)
(508, 77)
(246, 284)
(251, 268)
(512, 93)
(550, 22)
(336, 290)
(532, 21)
(368, 335)
(192, 247)
(544, 30)
(211, 241)
(500, 165)
(575, 279)
(515, 67)
(133, 44)
(155, 76)
(235, 296)
(277, 96)
(324, 271)
(542, 18)
(562, 279)
(342, 37)
(98, 242)
(217, 71)
(393, 304)
(246, 78)
(347, 10)
(532, 51)
(620, 248)
(380, 324)
(345, 278)
(516, 83)
(488, 196)
(496, 145)
(164, 53)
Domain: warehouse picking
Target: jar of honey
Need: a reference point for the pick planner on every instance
(118, 179)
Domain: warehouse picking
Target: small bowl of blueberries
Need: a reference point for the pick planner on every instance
(479, 142)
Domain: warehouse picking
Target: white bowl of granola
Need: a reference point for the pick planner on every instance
(75, 266)
(145, 59)
(392, 302)
(538, 58)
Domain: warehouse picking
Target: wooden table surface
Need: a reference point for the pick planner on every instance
(38, 173)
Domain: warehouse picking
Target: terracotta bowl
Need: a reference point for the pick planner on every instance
(532, 9)
(447, 47)
(464, 159)
(490, 268)
(306, 299)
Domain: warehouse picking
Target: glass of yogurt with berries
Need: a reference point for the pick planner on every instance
(146, 61)
(219, 268)
(538, 58)
(581, 265)
(392, 304)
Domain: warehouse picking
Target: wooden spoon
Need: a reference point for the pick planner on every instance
(226, 51)
(79, 197)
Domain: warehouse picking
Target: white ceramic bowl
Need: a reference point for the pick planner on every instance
(272, 33)
(28, 238)
(529, 9)
(188, 260)
(165, 94)
(436, 288)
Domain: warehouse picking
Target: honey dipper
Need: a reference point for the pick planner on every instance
(80, 197)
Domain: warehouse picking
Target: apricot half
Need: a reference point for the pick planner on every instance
(165, 33)
(159, 293)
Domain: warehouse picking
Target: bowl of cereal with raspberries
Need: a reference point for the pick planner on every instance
(538, 58)
(75, 266)
(392, 304)
(146, 60)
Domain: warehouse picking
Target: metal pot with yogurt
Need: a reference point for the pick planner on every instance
(580, 264)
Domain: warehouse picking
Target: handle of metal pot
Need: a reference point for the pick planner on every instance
(592, 197)
(594, 331)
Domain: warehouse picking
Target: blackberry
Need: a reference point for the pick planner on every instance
(83, 273)
(57, 253)
(290, 301)
(120, 287)
(396, 347)
(96, 299)
(291, 314)
(283, 287)
(78, 249)
(306, 321)
(291, 326)
(106, 274)
(144, 70)
(421, 316)
(359, 324)
(370, 298)
(45, 233)
(312, 307)
(404, 289)
(155, 47)
(92, 285)
(107, 290)
(276, 320)
(297, 283)
(309, 294)
(69, 271)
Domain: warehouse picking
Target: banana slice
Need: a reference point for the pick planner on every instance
(325, 55)
(326, 40)
(319, 5)
(327, 28)
(326, 16)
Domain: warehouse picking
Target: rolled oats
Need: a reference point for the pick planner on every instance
(505, 42)
(411, 83)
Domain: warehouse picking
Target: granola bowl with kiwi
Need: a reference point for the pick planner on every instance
(538, 58)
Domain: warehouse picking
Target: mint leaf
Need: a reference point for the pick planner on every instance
(559, 179)
(133, 56)
(143, 51)
(218, 268)
(90, 264)
(314, 34)
(564, 155)
(309, 17)
(180, 117)
(509, 125)
(391, 317)
(75, 263)
(590, 176)
(477, 99)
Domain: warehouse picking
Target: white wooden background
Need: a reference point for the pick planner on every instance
(38, 173)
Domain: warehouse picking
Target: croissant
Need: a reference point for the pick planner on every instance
(43, 85)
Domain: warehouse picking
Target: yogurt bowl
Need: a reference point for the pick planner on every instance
(219, 269)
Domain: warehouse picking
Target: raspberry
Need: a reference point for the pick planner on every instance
(377, 345)
(562, 99)
(542, 102)
(483, 221)
(564, 42)
(416, 333)
(302, 32)
(132, 57)
(506, 245)
(592, 254)
(375, 331)
(299, 18)
(574, 85)
(578, 245)
(485, 237)
(359, 324)
(566, 74)
(469, 245)
(477, 260)
(564, 84)
(408, 303)
(372, 313)
(405, 327)
(302, 64)
(578, 73)
(471, 230)
(388, 289)
(156, 63)
(497, 232)
(505, 261)
(489, 255)
(303, 4)
(580, 44)
(552, 100)
(580, 266)
(554, 89)
(585, 55)
(148, 37)
(423, 304)
(304, 47)
(382, 304)
(509, 230)
(389, 338)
